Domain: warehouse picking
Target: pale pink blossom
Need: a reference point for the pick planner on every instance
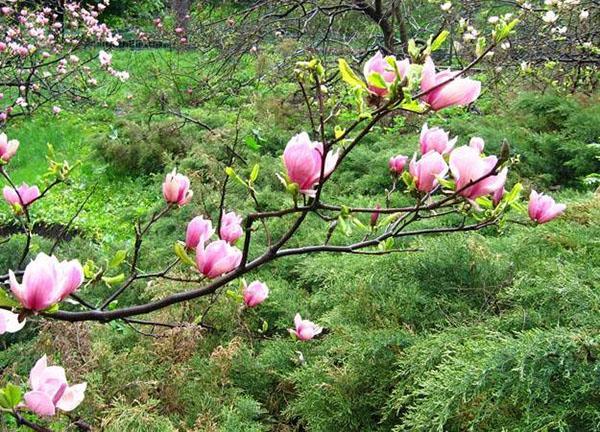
(23, 195)
(46, 281)
(457, 92)
(231, 227)
(436, 139)
(255, 293)
(176, 189)
(198, 230)
(397, 163)
(218, 258)
(50, 390)
(303, 161)
(543, 208)
(384, 67)
(469, 168)
(427, 170)
(304, 329)
(8, 148)
(9, 322)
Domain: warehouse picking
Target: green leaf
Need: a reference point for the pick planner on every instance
(252, 143)
(116, 260)
(89, 269)
(339, 131)
(234, 295)
(439, 40)
(113, 280)
(413, 106)
(182, 254)
(408, 179)
(349, 76)
(514, 195)
(10, 396)
(447, 184)
(6, 300)
(413, 50)
(231, 173)
(254, 173)
(480, 47)
(346, 229)
(485, 203)
(377, 80)
(504, 31)
(53, 309)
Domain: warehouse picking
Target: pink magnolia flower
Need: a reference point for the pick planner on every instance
(8, 148)
(9, 322)
(461, 91)
(380, 65)
(303, 159)
(477, 143)
(304, 329)
(543, 208)
(231, 228)
(397, 163)
(50, 390)
(255, 293)
(426, 170)
(46, 281)
(467, 166)
(198, 230)
(218, 258)
(436, 139)
(23, 195)
(176, 189)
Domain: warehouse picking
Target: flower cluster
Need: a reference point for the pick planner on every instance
(38, 51)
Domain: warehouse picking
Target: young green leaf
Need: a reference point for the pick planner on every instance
(182, 254)
(10, 396)
(349, 76)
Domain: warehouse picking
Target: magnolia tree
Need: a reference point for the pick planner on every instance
(556, 47)
(42, 55)
(447, 178)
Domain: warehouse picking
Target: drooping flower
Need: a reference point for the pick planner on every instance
(176, 189)
(303, 158)
(198, 230)
(50, 390)
(231, 227)
(9, 322)
(427, 170)
(46, 281)
(8, 148)
(23, 195)
(436, 139)
(543, 208)
(304, 329)
(218, 258)
(255, 293)
(397, 163)
(460, 91)
(467, 166)
(384, 67)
